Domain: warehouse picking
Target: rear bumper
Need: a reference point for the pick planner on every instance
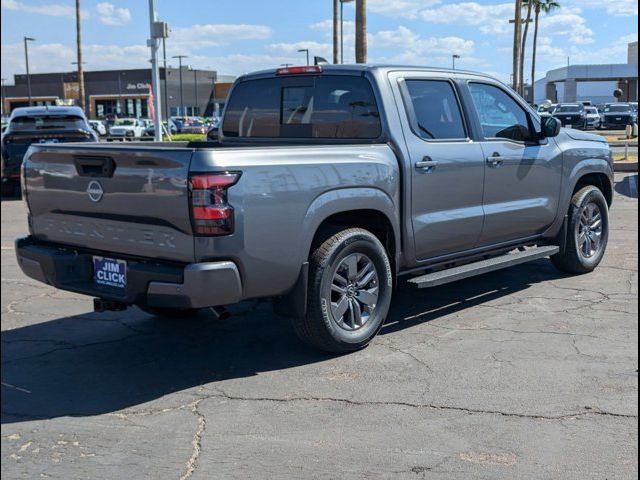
(150, 283)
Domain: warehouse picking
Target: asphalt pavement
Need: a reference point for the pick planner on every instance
(520, 374)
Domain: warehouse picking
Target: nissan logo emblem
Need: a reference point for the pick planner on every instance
(95, 191)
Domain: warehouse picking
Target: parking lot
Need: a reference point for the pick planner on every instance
(524, 373)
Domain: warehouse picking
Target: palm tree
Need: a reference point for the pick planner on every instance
(79, 53)
(540, 6)
(361, 31)
(529, 5)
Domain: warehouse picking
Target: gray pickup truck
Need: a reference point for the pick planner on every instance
(325, 186)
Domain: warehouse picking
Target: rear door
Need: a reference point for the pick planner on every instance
(523, 175)
(447, 167)
(122, 199)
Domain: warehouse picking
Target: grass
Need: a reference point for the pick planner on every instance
(619, 157)
(186, 137)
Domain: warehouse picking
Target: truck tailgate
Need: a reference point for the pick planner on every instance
(116, 199)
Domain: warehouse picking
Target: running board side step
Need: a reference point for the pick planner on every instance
(483, 266)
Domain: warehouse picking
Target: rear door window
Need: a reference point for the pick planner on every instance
(436, 109)
(324, 107)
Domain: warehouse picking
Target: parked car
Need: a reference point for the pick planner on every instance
(546, 110)
(571, 115)
(98, 127)
(593, 117)
(328, 185)
(618, 115)
(127, 128)
(29, 125)
(194, 127)
(169, 126)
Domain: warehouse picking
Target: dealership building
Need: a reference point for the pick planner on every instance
(124, 93)
(597, 83)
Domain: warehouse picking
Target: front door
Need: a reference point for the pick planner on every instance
(447, 168)
(523, 174)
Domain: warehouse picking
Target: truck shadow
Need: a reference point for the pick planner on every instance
(93, 364)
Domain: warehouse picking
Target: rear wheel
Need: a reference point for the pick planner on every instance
(587, 232)
(350, 286)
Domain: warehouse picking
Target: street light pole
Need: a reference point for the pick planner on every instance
(2, 97)
(180, 57)
(26, 61)
(453, 58)
(154, 35)
(195, 88)
(307, 52)
(166, 76)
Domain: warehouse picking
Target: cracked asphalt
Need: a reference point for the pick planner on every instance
(519, 374)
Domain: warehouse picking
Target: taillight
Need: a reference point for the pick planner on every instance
(210, 210)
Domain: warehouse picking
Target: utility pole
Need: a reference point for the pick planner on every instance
(180, 57)
(26, 61)
(157, 30)
(517, 46)
(336, 49)
(81, 96)
(361, 31)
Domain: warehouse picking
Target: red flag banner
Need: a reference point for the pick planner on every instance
(152, 111)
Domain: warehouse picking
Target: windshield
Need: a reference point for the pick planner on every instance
(618, 108)
(592, 111)
(125, 121)
(568, 109)
(44, 122)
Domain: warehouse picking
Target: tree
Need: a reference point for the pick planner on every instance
(529, 5)
(336, 47)
(81, 96)
(361, 31)
(517, 45)
(541, 6)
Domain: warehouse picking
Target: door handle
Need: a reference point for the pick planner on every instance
(495, 160)
(426, 164)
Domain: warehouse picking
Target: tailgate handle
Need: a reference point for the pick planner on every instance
(95, 166)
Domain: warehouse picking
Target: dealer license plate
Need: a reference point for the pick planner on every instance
(110, 272)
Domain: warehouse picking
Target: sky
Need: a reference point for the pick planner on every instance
(238, 36)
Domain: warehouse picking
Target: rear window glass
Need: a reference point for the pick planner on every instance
(618, 108)
(322, 106)
(568, 109)
(43, 122)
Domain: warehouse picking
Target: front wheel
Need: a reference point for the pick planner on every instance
(587, 232)
(350, 287)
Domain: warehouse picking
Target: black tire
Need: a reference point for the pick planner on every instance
(321, 328)
(170, 313)
(574, 259)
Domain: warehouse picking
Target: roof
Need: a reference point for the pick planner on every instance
(369, 67)
(46, 110)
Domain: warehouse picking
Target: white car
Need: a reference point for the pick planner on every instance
(593, 117)
(98, 127)
(128, 128)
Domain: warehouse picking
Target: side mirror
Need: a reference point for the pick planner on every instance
(550, 127)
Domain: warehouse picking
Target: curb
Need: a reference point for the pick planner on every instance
(625, 166)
